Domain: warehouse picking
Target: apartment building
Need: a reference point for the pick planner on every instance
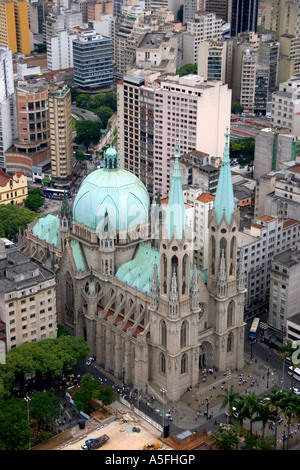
(8, 128)
(286, 105)
(283, 17)
(61, 148)
(27, 297)
(13, 188)
(32, 145)
(273, 147)
(157, 51)
(260, 242)
(93, 61)
(154, 114)
(14, 26)
(284, 292)
(60, 50)
(206, 26)
(212, 60)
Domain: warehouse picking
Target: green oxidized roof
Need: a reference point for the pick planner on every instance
(111, 189)
(139, 271)
(78, 255)
(176, 214)
(46, 228)
(224, 199)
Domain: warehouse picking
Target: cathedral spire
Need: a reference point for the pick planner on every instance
(224, 200)
(111, 159)
(154, 288)
(173, 301)
(195, 290)
(176, 214)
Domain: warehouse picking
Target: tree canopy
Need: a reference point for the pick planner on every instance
(88, 132)
(187, 69)
(243, 149)
(13, 218)
(35, 199)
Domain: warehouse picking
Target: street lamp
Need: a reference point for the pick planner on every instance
(207, 404)
(163, 391)
(268, 374)
(27, 399)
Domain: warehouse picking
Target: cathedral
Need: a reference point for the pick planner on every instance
(127, 283)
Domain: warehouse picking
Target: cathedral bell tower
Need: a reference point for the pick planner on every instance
(224, 281)
(65, 220)
(174, 297)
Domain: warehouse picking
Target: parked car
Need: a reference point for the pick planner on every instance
(89, 361)
(295, 390)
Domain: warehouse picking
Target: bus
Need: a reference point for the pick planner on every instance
(53, 193)
(296, 374)
(254, 328)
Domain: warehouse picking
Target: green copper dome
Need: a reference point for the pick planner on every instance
(114, 191)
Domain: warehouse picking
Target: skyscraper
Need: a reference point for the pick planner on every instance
(60, 117)
(14, 25)
(8, 129)
(242, 16)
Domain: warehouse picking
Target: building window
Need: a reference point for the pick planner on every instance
(162, 364)
(183, 367)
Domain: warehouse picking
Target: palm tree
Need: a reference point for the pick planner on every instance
(288, 350)
(264, 414)
(250, 407)
(230, 399)
(289, 403)
(275, 397)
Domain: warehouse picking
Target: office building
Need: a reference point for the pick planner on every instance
(60, 130)
(212, 60)
(27, 297)
(286, 105)
(93, 62)
(14, 26)
(283, 17)
(242, 16)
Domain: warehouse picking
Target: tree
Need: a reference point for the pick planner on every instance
(35, 199)
(62, 331)
(274, 398)
(288, 349)
(243, 149)
(180, 14)
(264, 414)
(14, 218)
(79, 155)
(250, 407)
(290, 405)
(104, 113)
(236, 108)
(44, 407)
(187, 69)
(230, 399)
(14, 427)
(88, 132)
(228, 437)
(82, 100)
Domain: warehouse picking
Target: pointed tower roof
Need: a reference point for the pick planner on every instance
(65, 208)
(224, 200)
(176, 214)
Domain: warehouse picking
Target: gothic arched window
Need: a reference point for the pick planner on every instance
(162, 363)
(183, 334)
(230, 343)
(230, 314)
(163, 334)
(183, 367)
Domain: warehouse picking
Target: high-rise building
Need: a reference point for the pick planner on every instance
(32, 145)
(60, 50)
(92, 61)
(14, 26)
(8, 128)
(190, 7)
(242, 16)
(27, 297)
(219, 7)
(283, 17)
(152, 116)
(212, 59)
(205, 27)
(60, 117)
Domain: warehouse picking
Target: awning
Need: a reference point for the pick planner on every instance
(46, 181)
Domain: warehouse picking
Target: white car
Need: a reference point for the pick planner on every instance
(89, 361)
(296, 391)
